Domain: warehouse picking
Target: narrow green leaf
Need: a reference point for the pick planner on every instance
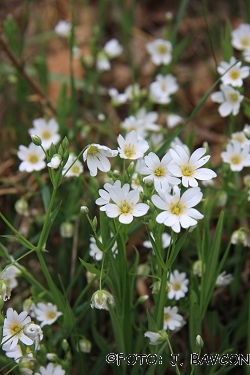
(90, 267)
(46, 197)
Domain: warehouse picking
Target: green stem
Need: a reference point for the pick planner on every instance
(171, 351)
(41, 239)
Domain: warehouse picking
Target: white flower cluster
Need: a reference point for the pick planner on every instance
(232, 74)
(33, 156)
(110, 50)
(19, 327)
(237, 152)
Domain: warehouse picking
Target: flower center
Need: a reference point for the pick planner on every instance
(162, 49)
(75, 169)
(239, 137)
(167, 317)
(15, 328)
(187, 170)
(233, 97)
(125, 208)
(159, 172)
(50, 315)
(129, 150)
(92, 150)
(46, 134)
(163, 86)
(235, 159)
(176, 208)
(33, 158)
(245, 42)
(234, 74)
(177, 286)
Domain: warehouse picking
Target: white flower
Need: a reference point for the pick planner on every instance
(165, 241)
(113, 48)
(34, 332)
(15, 353)
(102, 62)
(188, 167)
(239, 237)
(25, 365)
(234, 75)
(116, 97)
(173, 120)
(55, 161)
(162, 88)
(96, 156)
(47, 131)
(230, 100)
(95, 252)
(177, 285)
(132, 123)
(105, 194)
(32, 158)
(131, 147)
(240, 137)
(241, 37)
(5, 290)
(9, 274)
(156, 337)
(160, 51)
(51, 369)
(158, 170)
(178, 142)
(224, 279)
(14, 324)
(136, 182)
(246, 55)
(246, 130)
(236, 156)
(46, 313)
(100, 300)
(133, 91)
(177, 210)
(172, 320)
(148, 119)
(63, 28)
(75, 170)
(125, 205)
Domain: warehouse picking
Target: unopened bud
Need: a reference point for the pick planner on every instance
(36, 140)
(84, 210)
(199, 341)
(21, 207)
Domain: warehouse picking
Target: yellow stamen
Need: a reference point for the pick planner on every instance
(15, 328)
(92, 150)
(46, 134)
(33, 158)
(187, 170)
(176, 208)
(162, 49)
(159, 172)
(234, 97)
(176, 286)
(50, 314)
(234, 74)
(129, 150)
(167, 316)
(235, 159)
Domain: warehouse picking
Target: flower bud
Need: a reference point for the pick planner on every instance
(67, 229)
(36, 140)
(156, 286)
(65, 345)
(84, 345)
(21, 207)
(84, 209)
(101, 117)
(142, 299)
(149, 181)
(197, 268)
(199, 341)
(52, 357)
(5, 290)
(65, 143)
